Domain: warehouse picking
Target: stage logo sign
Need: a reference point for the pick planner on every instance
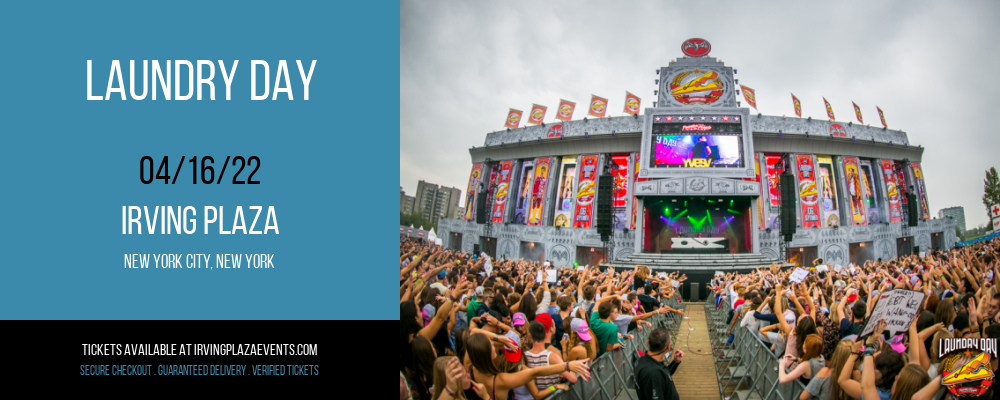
(965, 365)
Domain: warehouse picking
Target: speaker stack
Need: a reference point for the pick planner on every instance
(605, 184)
(788, 196)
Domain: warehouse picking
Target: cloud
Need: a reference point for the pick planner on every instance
(927, 64)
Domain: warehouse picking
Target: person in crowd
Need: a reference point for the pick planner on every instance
(653, 379)
(578, 344)
(601, 323)
(482, 352)
(541, 354)
(564, 303)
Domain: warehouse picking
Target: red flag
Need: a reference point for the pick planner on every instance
(798, 105)
(857, 111)
(513, 118)
(829, 110)
(749, 96)
(598, 106)
(537, 114)
(882, 117)
(565, 111)
(631, 104)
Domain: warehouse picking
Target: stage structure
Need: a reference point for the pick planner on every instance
(696, 185)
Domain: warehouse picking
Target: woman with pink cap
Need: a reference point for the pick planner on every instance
(576, 345)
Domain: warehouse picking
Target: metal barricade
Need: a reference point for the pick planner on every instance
(611, 373)
(746, 368)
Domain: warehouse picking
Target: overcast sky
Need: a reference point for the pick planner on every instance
(929, 65)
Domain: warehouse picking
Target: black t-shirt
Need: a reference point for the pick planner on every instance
(648, 303)
(700, 150)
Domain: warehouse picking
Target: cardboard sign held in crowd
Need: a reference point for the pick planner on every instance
(675, 284)
(719, 273)
(488, 266)
(550, 275)
(798, 275)
(837, 268)
(898, 308)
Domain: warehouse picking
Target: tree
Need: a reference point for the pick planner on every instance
(959, 234)
(991, 189)
(416, 220)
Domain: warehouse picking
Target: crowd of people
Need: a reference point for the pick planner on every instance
(472, 327)
(814, 325)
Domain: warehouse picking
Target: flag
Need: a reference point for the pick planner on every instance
(798, 105)
(857, 111)
(749, 96)
(537, 114)
(598, 106)
(565, 111)
(631, 104)
(513, 118)
(882, 117)
(829, 110)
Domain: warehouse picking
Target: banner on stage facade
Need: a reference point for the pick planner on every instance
(808, 194)
(772, 179)
(797, 105)
(918, 173)
(538, 187)
(892, 192)
(470, 194)
(828, 184)
(855, 192)
(566, 192)
(524, 193)
(503, 187)
(829, 109)
(583, 215)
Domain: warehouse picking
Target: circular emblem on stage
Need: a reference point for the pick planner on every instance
(585, 193)
(555, 131)
(696, 47)
(838, 130)
(694, 87)
(808, 192)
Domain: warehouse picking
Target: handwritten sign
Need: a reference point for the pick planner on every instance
(853, 270)
(898, 308)
(719, 273)
(837, 268)
(488, 266)
(662, 275)
(798, 275)
(675, 284)
(550, 275)
(539, 277)
(579, 268)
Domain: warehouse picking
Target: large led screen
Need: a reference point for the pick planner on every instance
(697, 142)
(683, 150)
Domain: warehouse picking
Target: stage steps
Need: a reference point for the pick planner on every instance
(694, 261)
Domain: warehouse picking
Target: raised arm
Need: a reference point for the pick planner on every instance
(508, 381)
(848, 385)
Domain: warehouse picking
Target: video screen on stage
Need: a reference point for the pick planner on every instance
(697, 144)
(683, 150)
